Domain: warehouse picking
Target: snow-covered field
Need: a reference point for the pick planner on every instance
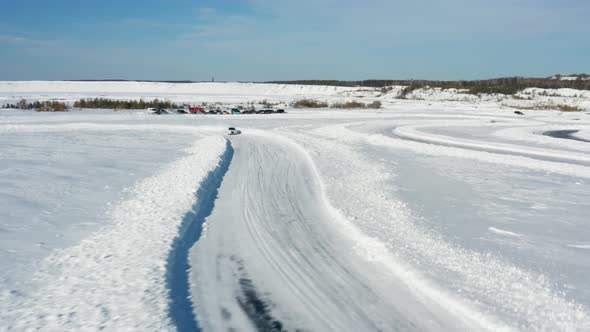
(436, 215)
(231, 94)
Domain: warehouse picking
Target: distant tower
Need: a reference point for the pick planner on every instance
(212, 78)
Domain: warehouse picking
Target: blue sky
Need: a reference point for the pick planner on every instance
(258, 40)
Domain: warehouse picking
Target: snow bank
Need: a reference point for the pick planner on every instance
(448, 151)
(116, 279)
(524, 299)
(223, 88)
(282, 94)
(178, 92)
(570, 78)
(416, 133)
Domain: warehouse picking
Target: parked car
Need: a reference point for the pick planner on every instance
(280, 111)
(234, 131)
(181, 112)
(161, 111)
(235, 111)
(211, 112)
(196, 110)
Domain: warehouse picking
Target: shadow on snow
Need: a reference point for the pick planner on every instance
(177, 278)
(565, 134)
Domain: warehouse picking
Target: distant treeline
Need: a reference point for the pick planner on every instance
(39, 106)
(149, 81)
(311, 103)
(507, 85)
(124, 104)
(56, 106)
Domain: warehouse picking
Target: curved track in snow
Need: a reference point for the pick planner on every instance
(275, 256)
(417, 133)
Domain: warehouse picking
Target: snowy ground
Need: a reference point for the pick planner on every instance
(231, 94)
(423, 215)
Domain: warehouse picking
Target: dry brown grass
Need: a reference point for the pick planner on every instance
(568, 108)
(561, 107)
(309, 103)
(357, 105)
(349, 105)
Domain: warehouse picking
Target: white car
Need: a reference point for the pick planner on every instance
(234, 131)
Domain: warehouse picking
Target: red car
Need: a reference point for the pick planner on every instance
(195, 110)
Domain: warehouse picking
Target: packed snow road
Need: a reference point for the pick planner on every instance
(276, 256)
(452, 219)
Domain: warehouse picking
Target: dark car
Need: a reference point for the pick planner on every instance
(518, 112)
(181, 112)
(160, 111)
(280, 111)
(234, 131)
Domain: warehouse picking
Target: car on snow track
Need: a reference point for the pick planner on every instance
(234, 131)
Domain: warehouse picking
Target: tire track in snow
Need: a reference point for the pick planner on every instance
(342, 132)
(177, 278)
(311, 269)
(523, 299)
(411, 133)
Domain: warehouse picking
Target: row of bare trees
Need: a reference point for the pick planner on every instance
(39, 106)
(124, 104)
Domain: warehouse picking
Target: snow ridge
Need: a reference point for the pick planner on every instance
(521, 298)
(181, 308)
(116, 279)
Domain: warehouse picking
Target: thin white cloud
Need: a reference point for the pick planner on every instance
(141, 22)
(14, 39)
(25, 42)
(223, 27)
(207, 11)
